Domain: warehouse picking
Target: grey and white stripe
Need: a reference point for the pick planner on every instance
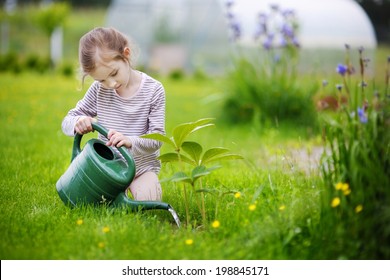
(143, 113)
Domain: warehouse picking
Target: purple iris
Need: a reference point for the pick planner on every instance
(362, 116)
(236, 30)
(229, 3)
(342, 69)
(287, 30)
(267, 44)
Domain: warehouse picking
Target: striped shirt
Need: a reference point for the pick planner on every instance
(143, 113)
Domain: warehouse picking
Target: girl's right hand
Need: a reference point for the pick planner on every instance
(84, 125)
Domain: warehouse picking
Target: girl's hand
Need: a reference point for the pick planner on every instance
(117, 139)
(84, 125)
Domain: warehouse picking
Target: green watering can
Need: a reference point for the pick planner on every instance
(99, 175)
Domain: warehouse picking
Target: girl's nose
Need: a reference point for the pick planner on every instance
(111, 83)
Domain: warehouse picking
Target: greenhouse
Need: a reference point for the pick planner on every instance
(194, 34)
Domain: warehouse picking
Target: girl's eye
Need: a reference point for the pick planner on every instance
(114, 74)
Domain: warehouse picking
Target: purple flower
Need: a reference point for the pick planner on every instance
(267, 44)
(362, 116)
(295, 42)
(229, 3)
(339, 87)
(236, 30)
(287, 30)
(342, 69)
(288, 12)
(283, 42)
(274, 7)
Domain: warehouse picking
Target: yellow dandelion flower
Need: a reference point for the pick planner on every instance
(347, 192)
(335, 202)
(344, 187)
(282, 207)
(252, 207)
(359, 208)
(79, 222)
(101, 245)
(106, 229)
(216, 224)
(339, 186)
(237, 195)
(189, 241)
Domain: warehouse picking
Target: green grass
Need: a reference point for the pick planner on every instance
(37, 225)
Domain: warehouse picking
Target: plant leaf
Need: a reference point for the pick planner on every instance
(218, 154)
(159, 137)
(201, 170)
(193, 149)
(181, 131)
(173, 157)
(224, 157)
(180, 177)
(213, 152)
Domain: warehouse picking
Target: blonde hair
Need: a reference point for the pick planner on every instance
(101, 43)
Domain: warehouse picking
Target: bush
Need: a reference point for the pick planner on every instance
(34, 62)
(10, 62)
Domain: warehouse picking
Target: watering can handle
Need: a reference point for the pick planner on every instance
(101, 129)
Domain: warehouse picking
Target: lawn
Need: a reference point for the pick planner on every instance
(273, 204)
(271, 219)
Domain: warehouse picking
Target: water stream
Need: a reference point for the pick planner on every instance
(174, 215)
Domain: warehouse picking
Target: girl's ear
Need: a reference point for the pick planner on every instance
(127, 52)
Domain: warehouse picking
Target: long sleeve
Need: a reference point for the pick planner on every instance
(156, 124)
(143, 113)
(85, 107)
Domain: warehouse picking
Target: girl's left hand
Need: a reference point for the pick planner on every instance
(117, 139)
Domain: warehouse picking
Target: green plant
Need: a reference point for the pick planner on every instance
(356, 165)
(191, 152)
(51, 16)
(264, 85)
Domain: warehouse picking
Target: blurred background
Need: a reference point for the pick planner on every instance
(190, 35)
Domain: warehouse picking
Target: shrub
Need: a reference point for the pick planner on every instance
(10, 62)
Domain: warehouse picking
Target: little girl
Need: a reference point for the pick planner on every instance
(127, 102)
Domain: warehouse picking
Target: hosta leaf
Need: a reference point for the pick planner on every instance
(193, 149)
(159, 137)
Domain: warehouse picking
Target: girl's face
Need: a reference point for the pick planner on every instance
(114, 74)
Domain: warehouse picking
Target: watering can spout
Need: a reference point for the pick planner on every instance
(122, 201)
